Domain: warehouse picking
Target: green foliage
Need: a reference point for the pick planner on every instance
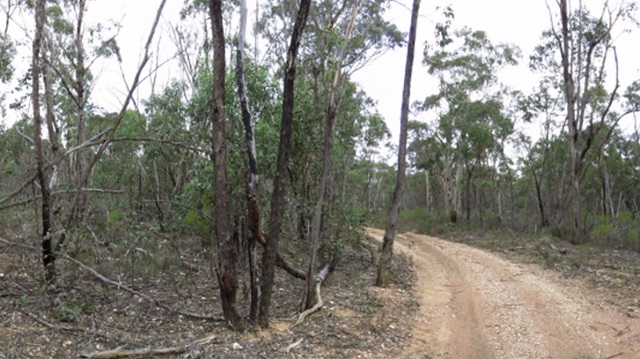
(10, 168)
(621, 231)
(115, 215)
(421, 220)
(68, 311)
(442, 29)
(7, 53)
(603, 229)
(197, 223)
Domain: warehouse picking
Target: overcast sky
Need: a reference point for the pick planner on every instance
(519, 22)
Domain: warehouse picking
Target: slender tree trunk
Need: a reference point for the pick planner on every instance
(226, 264)
(82, 163)
(447, 182)
(52, 129)
(543, 219)
(427, 190)
(386, 254)
(48, 256)
(279, 183)
(317, 224)
(252, 186)
(468, 190)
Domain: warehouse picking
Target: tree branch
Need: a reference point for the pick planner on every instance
(147, 352)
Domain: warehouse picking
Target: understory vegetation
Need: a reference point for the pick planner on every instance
(235, 197)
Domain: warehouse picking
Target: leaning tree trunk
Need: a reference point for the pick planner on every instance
(226, 264)
(48, 257)
(390, 232)
(279, 183)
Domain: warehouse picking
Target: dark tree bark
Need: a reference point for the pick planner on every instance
(226, 263)
(279, 183)
(48, 257)
(468, 191)
(543, 218)
(386, 254)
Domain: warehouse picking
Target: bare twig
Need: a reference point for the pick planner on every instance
(295, 344)
(94, 190)
(146, 352)
(110, 134)
(67, 328)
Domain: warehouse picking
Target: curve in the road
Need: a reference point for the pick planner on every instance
(476, 305)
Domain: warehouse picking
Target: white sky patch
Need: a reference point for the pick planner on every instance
(519, 22)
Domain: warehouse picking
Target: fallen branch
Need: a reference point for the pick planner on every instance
(145, 352)
(280, 262)
(292, 346)
(146, 297)
(67, 328)
(320, 278)
(16, 245)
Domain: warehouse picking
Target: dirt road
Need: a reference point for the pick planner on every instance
(475, 305)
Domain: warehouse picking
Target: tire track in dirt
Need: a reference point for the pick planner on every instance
(476, 305)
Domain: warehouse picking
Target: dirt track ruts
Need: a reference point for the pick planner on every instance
(476, 305)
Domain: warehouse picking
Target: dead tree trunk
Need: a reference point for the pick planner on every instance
(48, 257)
(284, 149)
(226, 263)
(390, 232)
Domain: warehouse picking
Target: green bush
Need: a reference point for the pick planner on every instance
(621, 231)
(603, 229)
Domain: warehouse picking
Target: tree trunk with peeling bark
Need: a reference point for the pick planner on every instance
(386, 254)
